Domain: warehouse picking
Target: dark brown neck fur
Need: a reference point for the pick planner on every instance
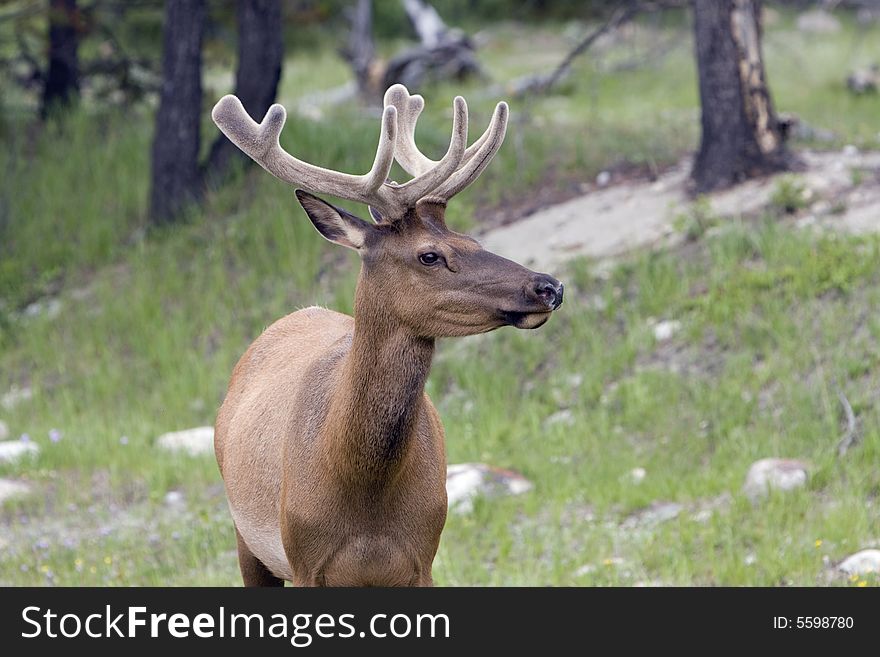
(372, 417)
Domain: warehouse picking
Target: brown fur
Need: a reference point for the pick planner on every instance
(332, 454)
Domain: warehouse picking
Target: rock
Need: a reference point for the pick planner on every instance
(665, 329)
(637, 475)
(15, 396)
(466, 481)
(864, 81)
(850, 150)
(194, 442)
(174, 498)
(564, 417)
(13, 450)
(4, 430)
(818, 22)
(586, 569)
(51, 309)
(603, 178)
(861, 563)
(10, 488)
(654, 514)
(774, 474)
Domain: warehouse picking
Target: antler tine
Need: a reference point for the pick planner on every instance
(261, 142)
(408, 110)
(431, 178)
(476, 157)
(482, 152)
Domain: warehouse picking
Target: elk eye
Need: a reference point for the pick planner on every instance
(429, 258)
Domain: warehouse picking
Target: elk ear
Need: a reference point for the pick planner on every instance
(335, 224)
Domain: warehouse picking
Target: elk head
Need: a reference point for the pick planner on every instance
(433, 280)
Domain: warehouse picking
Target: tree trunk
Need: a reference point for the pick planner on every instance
(62, 78)
(260, 54)
(176, 178)
(741, 134)
(359, 50)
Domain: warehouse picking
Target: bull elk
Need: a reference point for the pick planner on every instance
(332, 455)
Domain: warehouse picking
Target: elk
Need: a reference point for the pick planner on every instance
(332, 455)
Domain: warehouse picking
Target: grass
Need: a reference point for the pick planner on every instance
(750, 375)
(151, 325)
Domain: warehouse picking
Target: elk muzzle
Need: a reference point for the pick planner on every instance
(545, 289)
(543, 295)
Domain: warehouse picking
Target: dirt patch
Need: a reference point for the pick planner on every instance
(841, 191)
(558, 187)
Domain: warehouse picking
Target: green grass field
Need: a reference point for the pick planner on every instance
(774, 320)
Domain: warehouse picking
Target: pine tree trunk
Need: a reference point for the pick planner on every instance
(260, 54)
(175, 177)
(62, 77)
(741, 135)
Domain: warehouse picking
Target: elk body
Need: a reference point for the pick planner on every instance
(332, 455)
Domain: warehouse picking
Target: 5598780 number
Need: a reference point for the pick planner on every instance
(823, 622)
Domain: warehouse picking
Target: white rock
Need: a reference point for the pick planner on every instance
(586, 569)
(51, 309)
(194, 442)
(775, 474)
(656, 513)
(174, 498)
(818, 22)
(850, 150)
(13, 450)
(665, 329)
(466, 481)
(603, 179)
(637, 475)
(564, 417)
(10, 488)
(15, 396)
(4, 430)
(861, 563)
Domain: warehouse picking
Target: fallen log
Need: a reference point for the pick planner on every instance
(444, 53)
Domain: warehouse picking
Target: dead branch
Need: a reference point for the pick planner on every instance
(542, 83)
(539, 84)
(850, 436)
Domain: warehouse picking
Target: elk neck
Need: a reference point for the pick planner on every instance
(371, 424)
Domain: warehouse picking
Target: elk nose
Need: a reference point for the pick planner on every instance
(547, 290)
